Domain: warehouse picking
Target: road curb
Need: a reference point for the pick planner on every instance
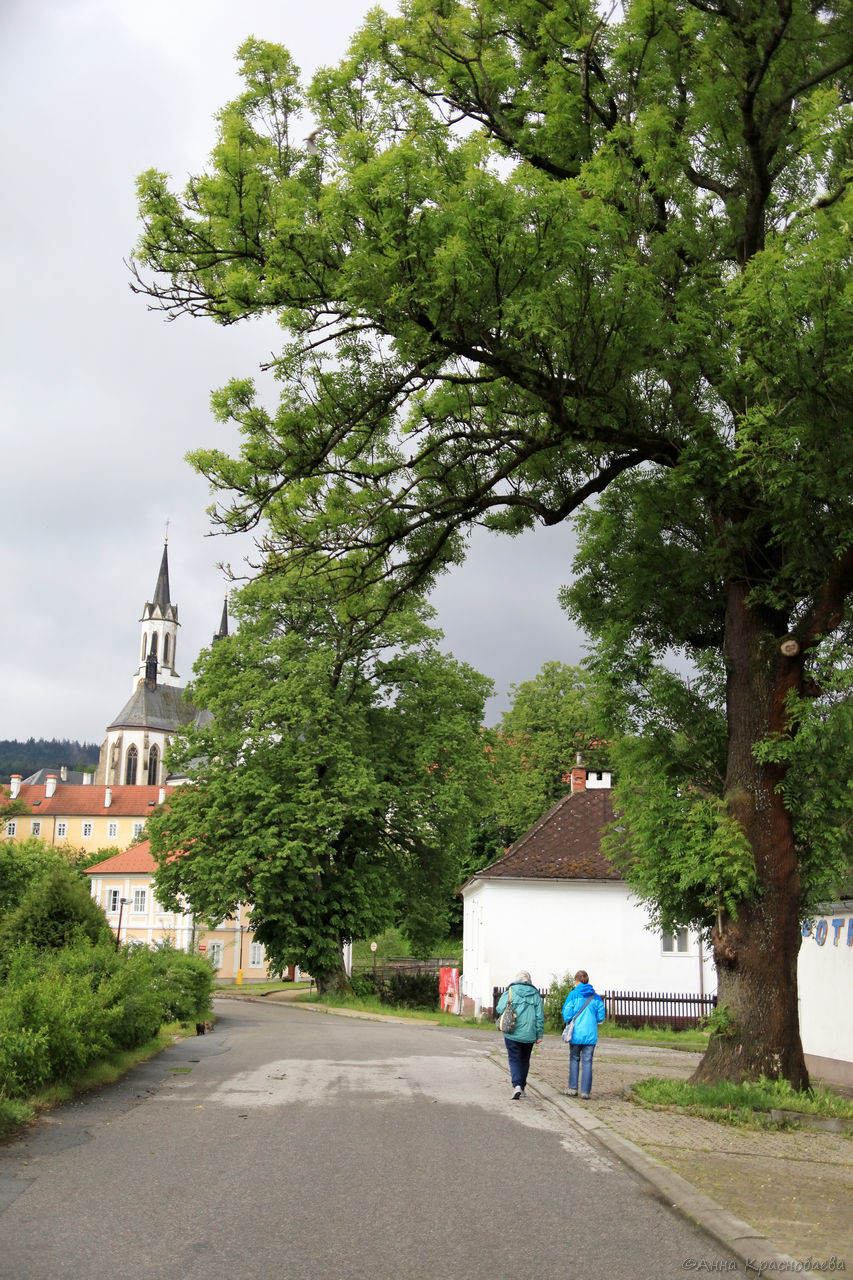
(750, 1246)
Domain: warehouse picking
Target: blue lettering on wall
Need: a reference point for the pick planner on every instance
(820, 933)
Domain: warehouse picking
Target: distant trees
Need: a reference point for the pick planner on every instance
(43, 753)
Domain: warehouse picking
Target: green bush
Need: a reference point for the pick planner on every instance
(411, 990)
(183, 982)
(55, 911)
(62, 1010)
(363, 984)
(554, 1001)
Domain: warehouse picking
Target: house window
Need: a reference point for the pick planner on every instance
(214, 954)
(11, 828)
(131, 765)
(112, 830)
(61, 828)
(677, 943)
(153, 766)
(113, 896)
(139, 899)
(87, 830)
(138, 828)
(35, 828)
(256, 955)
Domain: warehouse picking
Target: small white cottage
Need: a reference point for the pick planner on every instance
(553, 904)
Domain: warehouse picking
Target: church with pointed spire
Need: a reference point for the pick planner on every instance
(134, 750)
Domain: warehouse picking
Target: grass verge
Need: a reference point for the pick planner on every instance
(748, 1104)
(16, 1112)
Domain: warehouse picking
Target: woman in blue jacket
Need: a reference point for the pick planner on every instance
(587, 1008)
(528, 1030)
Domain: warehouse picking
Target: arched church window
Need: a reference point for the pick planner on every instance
(153, 766)
(165, 651)
(154, 645)
(144, 646)
(130, 767)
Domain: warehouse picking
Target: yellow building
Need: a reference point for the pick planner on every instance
(123, 886)
(81, 816)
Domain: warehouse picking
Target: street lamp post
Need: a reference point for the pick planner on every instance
(123, 902)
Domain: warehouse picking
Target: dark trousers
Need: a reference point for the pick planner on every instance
(519, 1060)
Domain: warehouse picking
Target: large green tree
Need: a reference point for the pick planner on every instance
(336, 786)
(551, 720)
(529, 257)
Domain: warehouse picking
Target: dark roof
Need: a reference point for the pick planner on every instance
(565, 844)
(163, 708)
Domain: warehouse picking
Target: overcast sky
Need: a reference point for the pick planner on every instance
(101, 399)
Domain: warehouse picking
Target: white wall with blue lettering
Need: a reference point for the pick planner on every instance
(825, 981)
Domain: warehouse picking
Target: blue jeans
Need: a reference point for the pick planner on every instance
(519, 1060)
(580, 1057)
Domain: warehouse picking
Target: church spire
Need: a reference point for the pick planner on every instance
(223, 625)
(161, 591)
(159, 640)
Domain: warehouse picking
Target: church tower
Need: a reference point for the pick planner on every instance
(134, 751)
(159, 639)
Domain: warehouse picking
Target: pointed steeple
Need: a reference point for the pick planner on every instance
(161, 591)
(159, 639)
(223, 625)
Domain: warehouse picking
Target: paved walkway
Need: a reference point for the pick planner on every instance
(792, 1187)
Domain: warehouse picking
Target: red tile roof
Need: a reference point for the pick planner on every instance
(70, 799)
(138, 860)
(565, 844)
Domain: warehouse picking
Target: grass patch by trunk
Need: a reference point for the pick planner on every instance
(745, 1104)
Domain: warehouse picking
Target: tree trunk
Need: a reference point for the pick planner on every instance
(756, 955)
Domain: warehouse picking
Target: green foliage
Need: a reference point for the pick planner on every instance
(63, 1009)
(551, 721)
(747, 1104)
(55, 910)
(28, 757)
(411, 990)
(554, 1001)
(339, 782)
(537, 262)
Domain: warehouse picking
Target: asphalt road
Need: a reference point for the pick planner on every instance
(291, 1145)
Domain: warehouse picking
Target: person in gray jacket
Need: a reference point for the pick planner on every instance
(528, 1030)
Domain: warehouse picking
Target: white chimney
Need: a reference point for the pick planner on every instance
(87, 779)
(63, 772)
(50, 785)
(161, 796)
(14, 786)
(108, 797)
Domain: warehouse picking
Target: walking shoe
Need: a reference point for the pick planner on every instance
(584, 1095)
(570, 1093)
(516, 1093)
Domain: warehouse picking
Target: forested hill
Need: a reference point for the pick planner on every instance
(42, 753)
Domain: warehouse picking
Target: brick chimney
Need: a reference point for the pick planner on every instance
(50, 785)
(578, 775)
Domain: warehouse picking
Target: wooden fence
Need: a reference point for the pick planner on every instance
(641, 1008)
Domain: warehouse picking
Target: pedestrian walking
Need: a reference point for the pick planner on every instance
(584, 1008)
(529, 1027)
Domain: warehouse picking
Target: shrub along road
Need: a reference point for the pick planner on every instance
(298, 1145)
